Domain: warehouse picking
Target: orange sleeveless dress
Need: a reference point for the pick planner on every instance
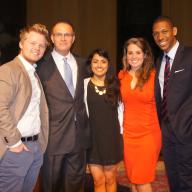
(141, 131)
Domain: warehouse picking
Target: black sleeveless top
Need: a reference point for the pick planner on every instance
(106, 146)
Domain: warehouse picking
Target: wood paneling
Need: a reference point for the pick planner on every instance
(95, 21)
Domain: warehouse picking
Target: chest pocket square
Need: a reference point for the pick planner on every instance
(178, 71)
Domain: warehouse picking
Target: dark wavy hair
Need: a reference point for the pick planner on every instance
(144, 72)
(111, 82)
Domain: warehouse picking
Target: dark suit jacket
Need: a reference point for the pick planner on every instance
(69, 129)
(179, 99)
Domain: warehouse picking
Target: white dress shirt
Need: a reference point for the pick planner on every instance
(171, 55)
(30, 123)
(58, 58)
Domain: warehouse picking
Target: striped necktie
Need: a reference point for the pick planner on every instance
(164, 112)
(68, 77)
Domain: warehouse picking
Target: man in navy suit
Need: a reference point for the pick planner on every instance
(65, 161)
(174, 104)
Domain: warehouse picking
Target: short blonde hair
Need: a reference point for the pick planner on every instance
(38, 28)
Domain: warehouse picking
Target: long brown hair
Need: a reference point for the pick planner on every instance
(143, 73)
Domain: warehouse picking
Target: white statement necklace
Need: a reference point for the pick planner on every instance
(100, 92)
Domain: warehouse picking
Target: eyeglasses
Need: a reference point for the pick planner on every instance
(65, 35)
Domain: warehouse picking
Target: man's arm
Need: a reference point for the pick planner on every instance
(8, 129)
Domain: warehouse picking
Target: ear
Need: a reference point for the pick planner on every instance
(20, 45)
(73, 38)
(52, 38)
(174, 31)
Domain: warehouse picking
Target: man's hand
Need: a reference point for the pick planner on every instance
(19, 148)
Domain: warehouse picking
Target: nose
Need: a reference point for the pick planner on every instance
(99, 64)
(160, 36)
(37, 46)
(63, 37)
(134, 56)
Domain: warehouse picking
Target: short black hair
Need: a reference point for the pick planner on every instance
(164, 18)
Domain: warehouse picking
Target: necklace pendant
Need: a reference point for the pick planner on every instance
(100, 92)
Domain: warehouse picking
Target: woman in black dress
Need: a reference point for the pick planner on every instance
(102, 96)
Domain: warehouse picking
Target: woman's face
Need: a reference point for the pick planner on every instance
(135, 56)
(99, 66)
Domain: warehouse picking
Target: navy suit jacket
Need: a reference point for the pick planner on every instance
(179, 99)
(69, 129)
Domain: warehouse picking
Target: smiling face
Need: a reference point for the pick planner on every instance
(135, 56)
(33, 46)
(99, 66)
(63, 38)
(164, 35)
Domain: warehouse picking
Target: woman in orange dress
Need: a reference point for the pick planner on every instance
(141, 131)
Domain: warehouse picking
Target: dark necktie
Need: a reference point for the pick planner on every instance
(164, 112)
(68, 77)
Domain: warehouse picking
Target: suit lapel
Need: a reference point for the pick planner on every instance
(158, 66)
(19, 63)
(177, 64)
(59, 79)
(78, 76)
(57, 75)
(26, 82)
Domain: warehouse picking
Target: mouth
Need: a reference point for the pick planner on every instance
(62, 43)
(162, 43)
(99, 69)
(35, 53)
(133, 62)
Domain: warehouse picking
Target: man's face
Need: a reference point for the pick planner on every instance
(164, 35)
(33, 46)
(63, 38)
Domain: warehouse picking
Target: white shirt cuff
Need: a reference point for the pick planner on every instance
(17, 144)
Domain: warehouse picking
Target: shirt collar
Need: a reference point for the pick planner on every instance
(173, 51)
(28, 66)
(61, 57)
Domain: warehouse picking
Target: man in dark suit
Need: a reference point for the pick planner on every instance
(173, 91)
(65, 161)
